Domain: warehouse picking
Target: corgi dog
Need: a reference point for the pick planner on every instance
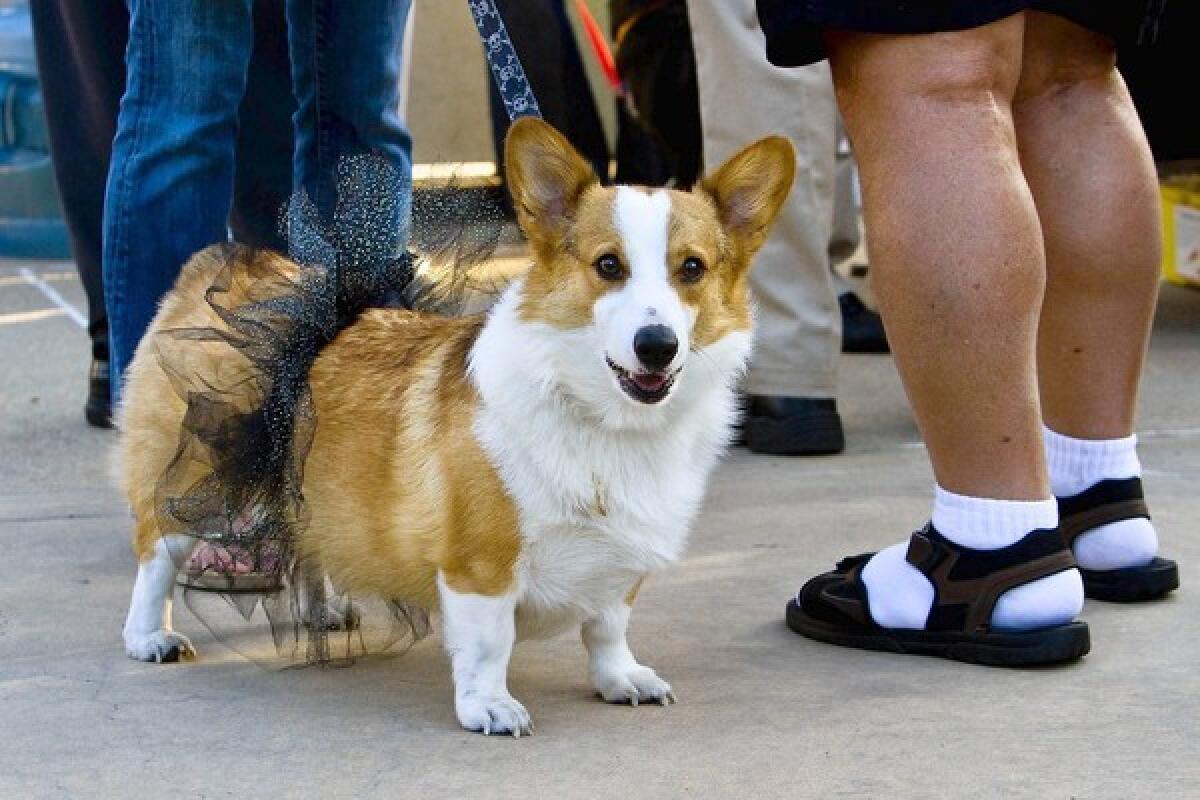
(520, 471)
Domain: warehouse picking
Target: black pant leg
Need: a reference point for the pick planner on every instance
(81, 61)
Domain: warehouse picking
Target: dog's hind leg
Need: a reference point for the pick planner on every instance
(148, 633)
(319, 604)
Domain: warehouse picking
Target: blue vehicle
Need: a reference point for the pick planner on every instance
(31, 224)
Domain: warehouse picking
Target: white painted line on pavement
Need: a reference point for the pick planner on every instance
(30, 316)
(49, 277)
(53, 296)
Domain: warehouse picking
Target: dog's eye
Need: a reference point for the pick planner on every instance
(609, 267)
(692, 270)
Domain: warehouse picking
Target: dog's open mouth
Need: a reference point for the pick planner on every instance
(645, 387)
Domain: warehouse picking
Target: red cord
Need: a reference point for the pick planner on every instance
(600, 46)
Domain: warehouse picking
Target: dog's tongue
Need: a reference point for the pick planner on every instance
(650, 381)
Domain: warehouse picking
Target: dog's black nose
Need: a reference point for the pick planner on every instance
(655, 346)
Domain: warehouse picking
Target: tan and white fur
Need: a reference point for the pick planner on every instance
(521, 471)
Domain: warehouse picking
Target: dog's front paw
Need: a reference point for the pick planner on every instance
(496, 713)
(161, 646)
(634, 685)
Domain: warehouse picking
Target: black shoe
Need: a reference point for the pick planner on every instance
(862, 328)
(98, 409)
(793, 426)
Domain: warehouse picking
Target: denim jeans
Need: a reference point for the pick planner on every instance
(170, 183)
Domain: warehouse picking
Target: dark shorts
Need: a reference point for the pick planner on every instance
(793, 27)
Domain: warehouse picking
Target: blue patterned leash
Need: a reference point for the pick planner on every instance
(502, 58)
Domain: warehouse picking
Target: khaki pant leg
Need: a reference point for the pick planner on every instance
(742, 98)
(846, 236)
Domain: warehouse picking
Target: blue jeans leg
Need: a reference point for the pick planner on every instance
(170, 181)
(346, 76)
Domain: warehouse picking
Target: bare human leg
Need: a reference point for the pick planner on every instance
(956, 242)
(1092, 176)
(1088, 164)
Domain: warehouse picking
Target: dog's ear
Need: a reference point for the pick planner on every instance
(546, 177)
(750, 188)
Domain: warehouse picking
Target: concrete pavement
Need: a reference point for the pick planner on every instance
(762, 713)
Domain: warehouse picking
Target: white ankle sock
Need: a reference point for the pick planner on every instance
(901, 597)
(1079, 464)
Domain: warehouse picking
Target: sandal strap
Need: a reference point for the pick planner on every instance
(856, 607)
(968, 582)
(1107, 501)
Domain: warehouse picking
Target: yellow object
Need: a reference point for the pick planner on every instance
(1181, 227)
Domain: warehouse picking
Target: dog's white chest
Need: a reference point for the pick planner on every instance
(575, 571)
(594, 523)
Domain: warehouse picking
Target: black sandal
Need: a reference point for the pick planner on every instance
(1113, 501)
(967, 583)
